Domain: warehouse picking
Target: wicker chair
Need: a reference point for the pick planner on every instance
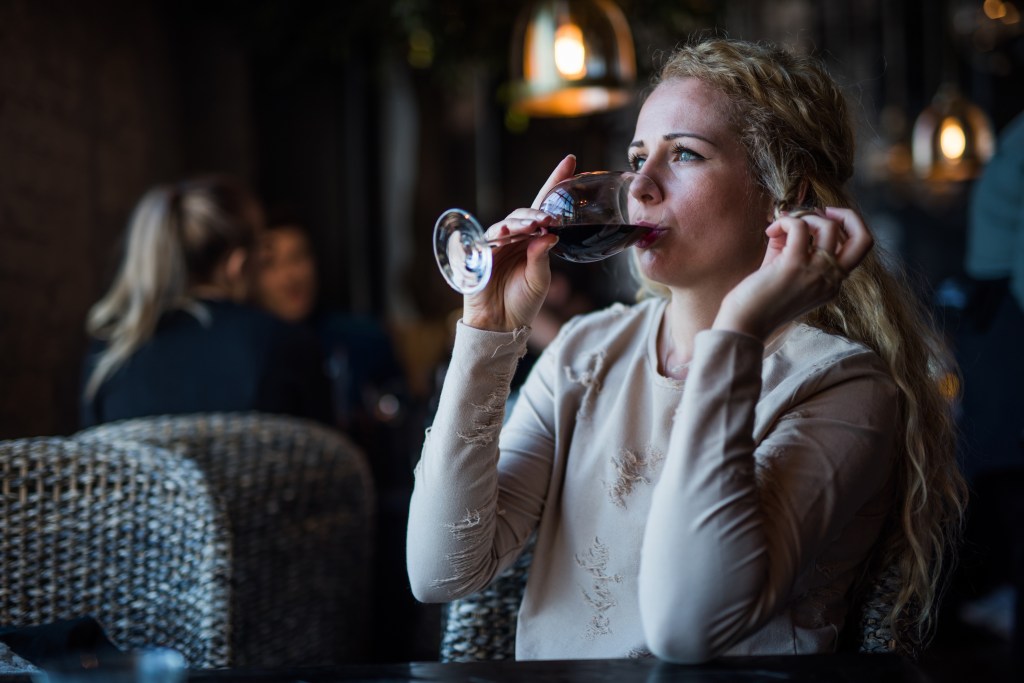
(299, 498)
(482, 626)
(128, 534)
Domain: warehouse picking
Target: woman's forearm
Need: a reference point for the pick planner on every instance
(453, 509)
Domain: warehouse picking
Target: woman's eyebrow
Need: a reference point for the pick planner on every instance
(674, 136)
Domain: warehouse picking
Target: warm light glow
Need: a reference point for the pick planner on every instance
(1012, 14)
(570, 55)
(952, 139)
(949, 386)
(994, 9)
(570, 58)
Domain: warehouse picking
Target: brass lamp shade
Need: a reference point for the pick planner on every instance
(952, 138)
(571, 58)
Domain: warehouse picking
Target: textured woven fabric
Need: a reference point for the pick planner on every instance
(876, 633)
(299, 498)
(482, 626)
(129, 534)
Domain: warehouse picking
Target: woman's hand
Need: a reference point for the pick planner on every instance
(521, 274)
(808, 257)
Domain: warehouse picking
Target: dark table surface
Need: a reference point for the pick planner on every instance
(838, 668)
(805, 669)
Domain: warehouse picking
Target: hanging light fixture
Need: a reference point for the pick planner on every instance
(952, 138)
(570, 58)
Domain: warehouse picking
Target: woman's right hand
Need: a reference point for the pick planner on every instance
(520, 275)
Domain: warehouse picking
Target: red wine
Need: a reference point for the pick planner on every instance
(584, 243)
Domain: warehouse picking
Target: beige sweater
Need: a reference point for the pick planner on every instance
(727, 514)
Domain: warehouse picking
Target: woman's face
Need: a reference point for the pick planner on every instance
(286, 279)
(695, 185)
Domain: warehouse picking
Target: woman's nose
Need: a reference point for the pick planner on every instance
(644, 190)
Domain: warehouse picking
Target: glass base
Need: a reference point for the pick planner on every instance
(462, 252)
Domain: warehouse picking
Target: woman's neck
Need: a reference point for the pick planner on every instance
(685, 315)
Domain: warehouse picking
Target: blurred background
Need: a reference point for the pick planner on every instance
(372, 116)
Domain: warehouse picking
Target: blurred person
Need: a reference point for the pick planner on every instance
(173, 334)
(713, 470)
(367, 379)
(371, 405)
(286, 280)
(989, 342)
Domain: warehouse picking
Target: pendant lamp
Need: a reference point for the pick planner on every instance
(571, 58)
(952, 138)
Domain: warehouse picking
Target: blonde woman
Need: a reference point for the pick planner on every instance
(173, 334)
(712, 470)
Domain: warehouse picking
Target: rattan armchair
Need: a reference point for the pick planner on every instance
(126, 533)
(482, 626)
(300, 500)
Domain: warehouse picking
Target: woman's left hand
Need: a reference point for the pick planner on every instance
(808, 257)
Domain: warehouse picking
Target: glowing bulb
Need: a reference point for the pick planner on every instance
(994, 9)
(952, 139)
(570, 55)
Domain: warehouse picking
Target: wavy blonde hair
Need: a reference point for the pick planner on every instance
(793, 121)
(177, 237)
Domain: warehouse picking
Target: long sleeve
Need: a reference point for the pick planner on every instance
(466, 521)
(733, 525)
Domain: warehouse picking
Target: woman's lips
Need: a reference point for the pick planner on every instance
(653, 234)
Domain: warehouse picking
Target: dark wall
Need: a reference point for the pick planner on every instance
(317, 107)
(84, 108)
(95, 102)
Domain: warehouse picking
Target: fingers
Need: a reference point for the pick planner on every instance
(565, 170)
(839, 232)
(519, 223)
(858, 239)
(821, 246)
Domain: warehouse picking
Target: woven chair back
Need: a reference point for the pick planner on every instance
(482, 626)
(129, 534)
(299, 498)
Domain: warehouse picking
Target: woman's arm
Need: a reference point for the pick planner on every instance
(721, 553)
(471, 514)
(465, 522)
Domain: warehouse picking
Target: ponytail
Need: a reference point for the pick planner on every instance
(176, 236)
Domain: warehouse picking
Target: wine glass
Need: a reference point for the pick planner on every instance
(593, 223)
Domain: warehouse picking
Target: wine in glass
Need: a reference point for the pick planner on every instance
(592, 212)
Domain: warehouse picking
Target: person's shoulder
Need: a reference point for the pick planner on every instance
(260, 327)
(813, 352)
(234, 313)
(355, 330)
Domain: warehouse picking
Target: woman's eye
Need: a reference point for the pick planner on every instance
(636, 162)
(685, 154)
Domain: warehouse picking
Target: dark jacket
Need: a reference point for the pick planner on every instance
(243, 359)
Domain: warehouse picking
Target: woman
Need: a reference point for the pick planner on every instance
(173, 334)
(711, 470)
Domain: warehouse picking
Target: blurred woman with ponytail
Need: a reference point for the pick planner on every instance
(173, 334)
